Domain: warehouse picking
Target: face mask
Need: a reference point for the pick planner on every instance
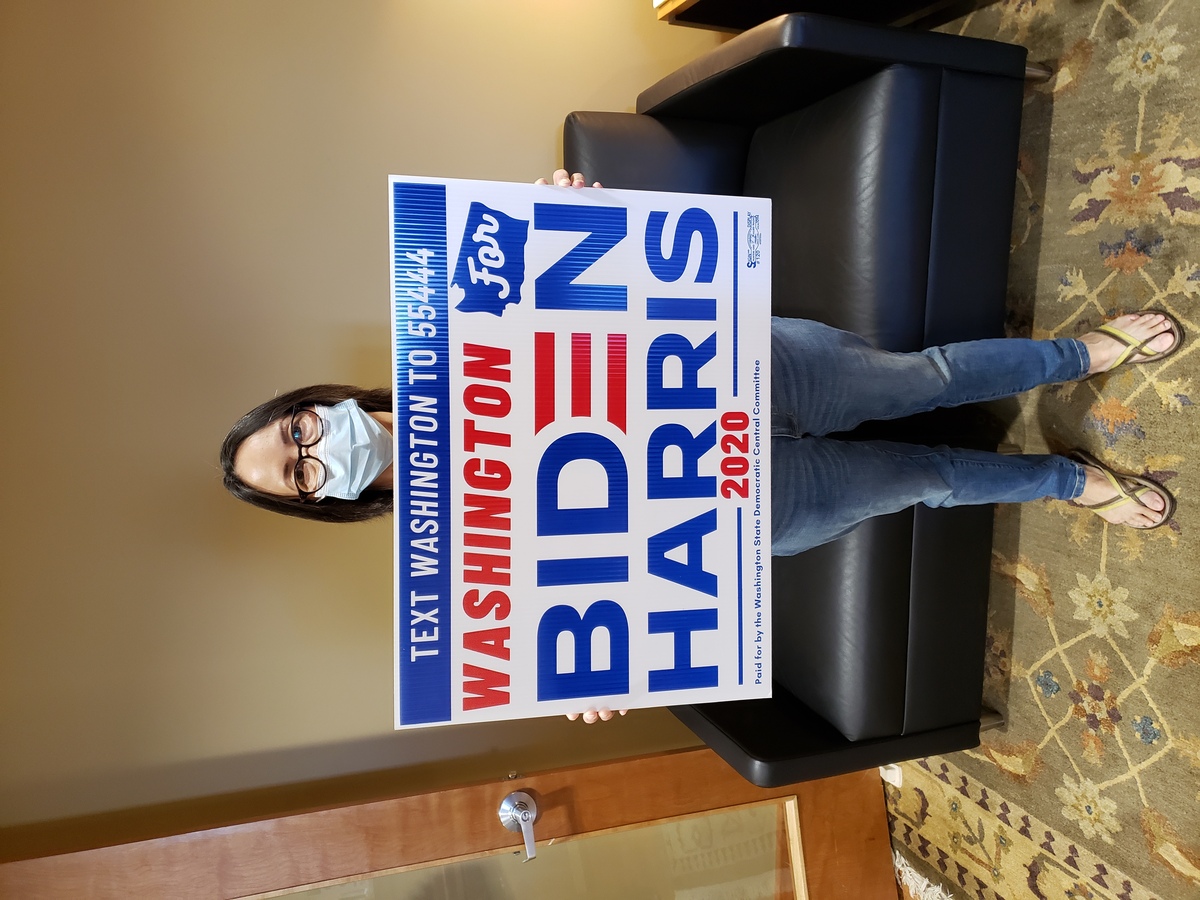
(355, 449)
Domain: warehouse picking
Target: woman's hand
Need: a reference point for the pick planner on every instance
(563, 179)
(603, 714)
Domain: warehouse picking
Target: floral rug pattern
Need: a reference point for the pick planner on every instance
(986, 847)
(1092, 788)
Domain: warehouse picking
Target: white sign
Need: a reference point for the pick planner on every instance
(582, 476)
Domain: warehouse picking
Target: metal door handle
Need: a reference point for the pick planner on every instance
(518, 812)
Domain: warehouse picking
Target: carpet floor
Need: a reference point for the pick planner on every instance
(1092, 788)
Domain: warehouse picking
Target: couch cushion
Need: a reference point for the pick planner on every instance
(851, 184)
(947, 615)
(840, 633)
(978, 130)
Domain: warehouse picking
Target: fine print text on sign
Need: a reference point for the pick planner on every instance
(582, 425)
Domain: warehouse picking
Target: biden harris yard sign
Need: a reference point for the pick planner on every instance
(582, 426)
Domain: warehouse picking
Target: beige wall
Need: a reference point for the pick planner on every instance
(192, 217)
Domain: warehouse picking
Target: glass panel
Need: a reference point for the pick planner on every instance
(732, 854)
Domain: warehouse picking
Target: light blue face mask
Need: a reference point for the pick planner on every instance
(355, 450)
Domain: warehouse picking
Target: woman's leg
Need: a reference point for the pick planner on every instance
(823, 488)
(825, 380)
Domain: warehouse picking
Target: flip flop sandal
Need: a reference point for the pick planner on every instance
(1130, 489)
(1135, 351)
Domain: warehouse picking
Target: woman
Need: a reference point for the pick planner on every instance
(297, 485)
(324, 452)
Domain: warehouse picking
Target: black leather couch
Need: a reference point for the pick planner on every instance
(890, 157)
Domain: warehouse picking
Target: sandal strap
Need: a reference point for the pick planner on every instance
(1124, 495)
(1129, 490)
(1132, 344)
(1121, 499)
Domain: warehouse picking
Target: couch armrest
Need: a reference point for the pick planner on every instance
(791, 61)
(624, 150)
(780, 741)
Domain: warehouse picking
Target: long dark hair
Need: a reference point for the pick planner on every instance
(331, 509)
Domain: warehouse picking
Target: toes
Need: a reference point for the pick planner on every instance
(1153, 501)
(1156, 323)
(1151, 323)
(1151, 513)
(1134, 518)
(1163, 340)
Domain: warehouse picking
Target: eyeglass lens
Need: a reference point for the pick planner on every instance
(306, 431)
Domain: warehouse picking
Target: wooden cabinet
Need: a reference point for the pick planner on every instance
(841, 821)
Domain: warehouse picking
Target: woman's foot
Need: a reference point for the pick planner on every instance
(1152, 332)
(1137, 503)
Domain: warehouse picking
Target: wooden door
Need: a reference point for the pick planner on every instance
(841, 828)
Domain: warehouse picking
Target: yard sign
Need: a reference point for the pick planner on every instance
(582, 425)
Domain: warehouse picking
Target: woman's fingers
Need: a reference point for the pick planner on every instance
(603, 714)
(563, 178)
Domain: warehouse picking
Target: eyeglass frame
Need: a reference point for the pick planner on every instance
(303, 454)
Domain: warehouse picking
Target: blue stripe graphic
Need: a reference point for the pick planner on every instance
(423, 466)
(735, 303)
(741, 640)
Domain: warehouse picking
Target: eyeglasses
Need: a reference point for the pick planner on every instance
(310, 473)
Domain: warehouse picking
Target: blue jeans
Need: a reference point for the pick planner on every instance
(824, 380)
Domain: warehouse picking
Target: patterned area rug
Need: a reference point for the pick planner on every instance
(1092, 788)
